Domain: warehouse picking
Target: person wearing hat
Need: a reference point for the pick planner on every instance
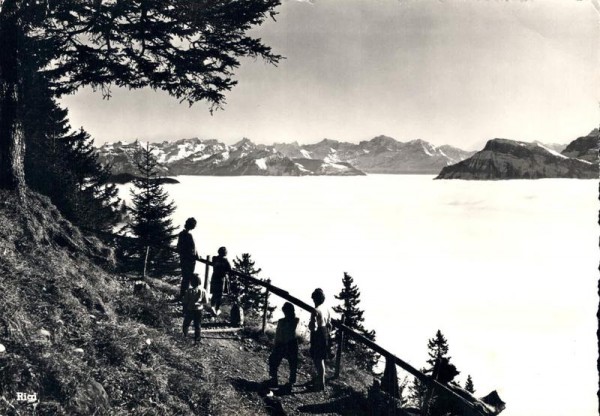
(320, 324)
(286, 345)
(187, 255)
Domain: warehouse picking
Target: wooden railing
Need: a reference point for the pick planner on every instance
(431, 382)
(469, 406)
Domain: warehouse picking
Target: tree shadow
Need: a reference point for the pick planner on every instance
(345, 405)
(249, 386)
(343, 401)
(272, 404)
(339, 399)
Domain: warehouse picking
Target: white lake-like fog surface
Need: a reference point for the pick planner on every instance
(507, 270)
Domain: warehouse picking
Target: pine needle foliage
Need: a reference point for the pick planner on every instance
(151, 219)
(469, 386)
(251, 297)
(188, 48)
(63, 165)
(437, 348)
(441, 369)
(353, 316)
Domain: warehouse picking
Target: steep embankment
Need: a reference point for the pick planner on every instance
(74, 335)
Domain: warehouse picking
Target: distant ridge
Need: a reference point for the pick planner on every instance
(382, 154)
(585, 147)
(511, 159)
(213, 158)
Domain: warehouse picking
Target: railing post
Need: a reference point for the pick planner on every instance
(338, 354)
(265, 308)
(206, 273)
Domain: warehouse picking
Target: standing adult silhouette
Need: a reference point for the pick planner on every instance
(319, 325)
(187, 254)
(221, 268)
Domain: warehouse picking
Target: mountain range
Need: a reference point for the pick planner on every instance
(499, 159)
(381, 154)
(511, 159)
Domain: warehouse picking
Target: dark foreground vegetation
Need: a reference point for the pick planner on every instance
(74, 334)
(77, 336)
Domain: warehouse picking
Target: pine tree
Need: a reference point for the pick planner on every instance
(469, 386)
(251, 296)
(45, 131)
(438, 348)
(96, 202)
(63, 165)
(151, 223)
(353, 318)
(441, 370)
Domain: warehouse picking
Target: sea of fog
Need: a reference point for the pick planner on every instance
(507, 270)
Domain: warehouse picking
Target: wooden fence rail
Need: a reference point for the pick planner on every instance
(466, 404)
(363, 340)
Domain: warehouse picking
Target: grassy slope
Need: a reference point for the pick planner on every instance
(77, 336)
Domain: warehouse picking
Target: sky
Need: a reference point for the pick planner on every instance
(448, 72)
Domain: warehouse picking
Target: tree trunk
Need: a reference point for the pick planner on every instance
(12, 140)
(12, 143)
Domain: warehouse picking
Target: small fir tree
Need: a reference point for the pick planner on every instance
(354, 318)
(151, 223)
(251, 296)
(438, 348)
(469, 386)
(443, 371)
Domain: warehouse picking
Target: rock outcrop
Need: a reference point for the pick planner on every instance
(510, 159)
(585, 147)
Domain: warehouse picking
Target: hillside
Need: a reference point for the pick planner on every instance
(511, 159)
(75, 335)
(585, 147)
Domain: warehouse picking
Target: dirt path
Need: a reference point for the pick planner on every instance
(234, 368)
